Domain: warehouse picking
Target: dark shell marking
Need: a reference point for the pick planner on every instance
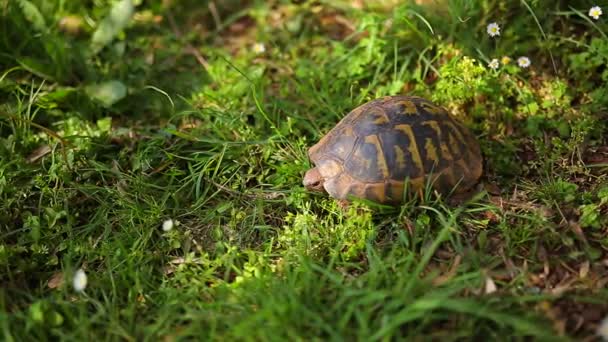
(384, 143)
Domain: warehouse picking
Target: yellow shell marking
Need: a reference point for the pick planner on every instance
(456, 131)
(454, 144)
(409, 107)
(413, 147)
(445, 152)
(434, 125)
(417, 185)
(381, 162)
(431, 151)
(400, 156)
(432, 108)
(376, 190)
(396, 189)
(381, 118)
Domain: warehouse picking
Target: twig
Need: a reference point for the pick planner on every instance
(215, 14)
(189, 48)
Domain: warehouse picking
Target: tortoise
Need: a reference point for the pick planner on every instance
(391, 144)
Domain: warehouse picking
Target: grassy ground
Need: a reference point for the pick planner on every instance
(201, 112)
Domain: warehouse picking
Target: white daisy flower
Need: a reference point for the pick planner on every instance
(523, 62)
(493, 29)
(259, 48)
(167, 225)
(80, 280)
(595, 12)
(494, 64)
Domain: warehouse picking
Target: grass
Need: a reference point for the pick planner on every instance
(112, 123)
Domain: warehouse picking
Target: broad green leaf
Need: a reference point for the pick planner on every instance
(105, 124)
(116, 21)
(107, 93)
(33, 15)
(36, 67)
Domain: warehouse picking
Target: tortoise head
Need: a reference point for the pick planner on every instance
(313, 180)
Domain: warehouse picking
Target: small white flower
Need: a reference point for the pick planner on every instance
(595, 12)
(259, 48)
(493, 29)
(494, 64)
(167, 225)
(80, 280)
(523, 62)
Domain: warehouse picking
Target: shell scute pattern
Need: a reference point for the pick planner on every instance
(381, 145)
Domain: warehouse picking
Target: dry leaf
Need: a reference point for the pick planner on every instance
(173, 263)
(584, 269)
(490, 286)
(450, 273)
(357, 4)
(56, 280)
(492, 188)
(562, 287)
(178, 261)
(509, 265)
(577, 230)
(38, 153)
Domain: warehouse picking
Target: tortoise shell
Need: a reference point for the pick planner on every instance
(388, 143)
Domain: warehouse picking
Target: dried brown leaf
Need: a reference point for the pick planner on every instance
(584, 269)
(38, 153)
(450, 273)
(562, 287)
(56, 280)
